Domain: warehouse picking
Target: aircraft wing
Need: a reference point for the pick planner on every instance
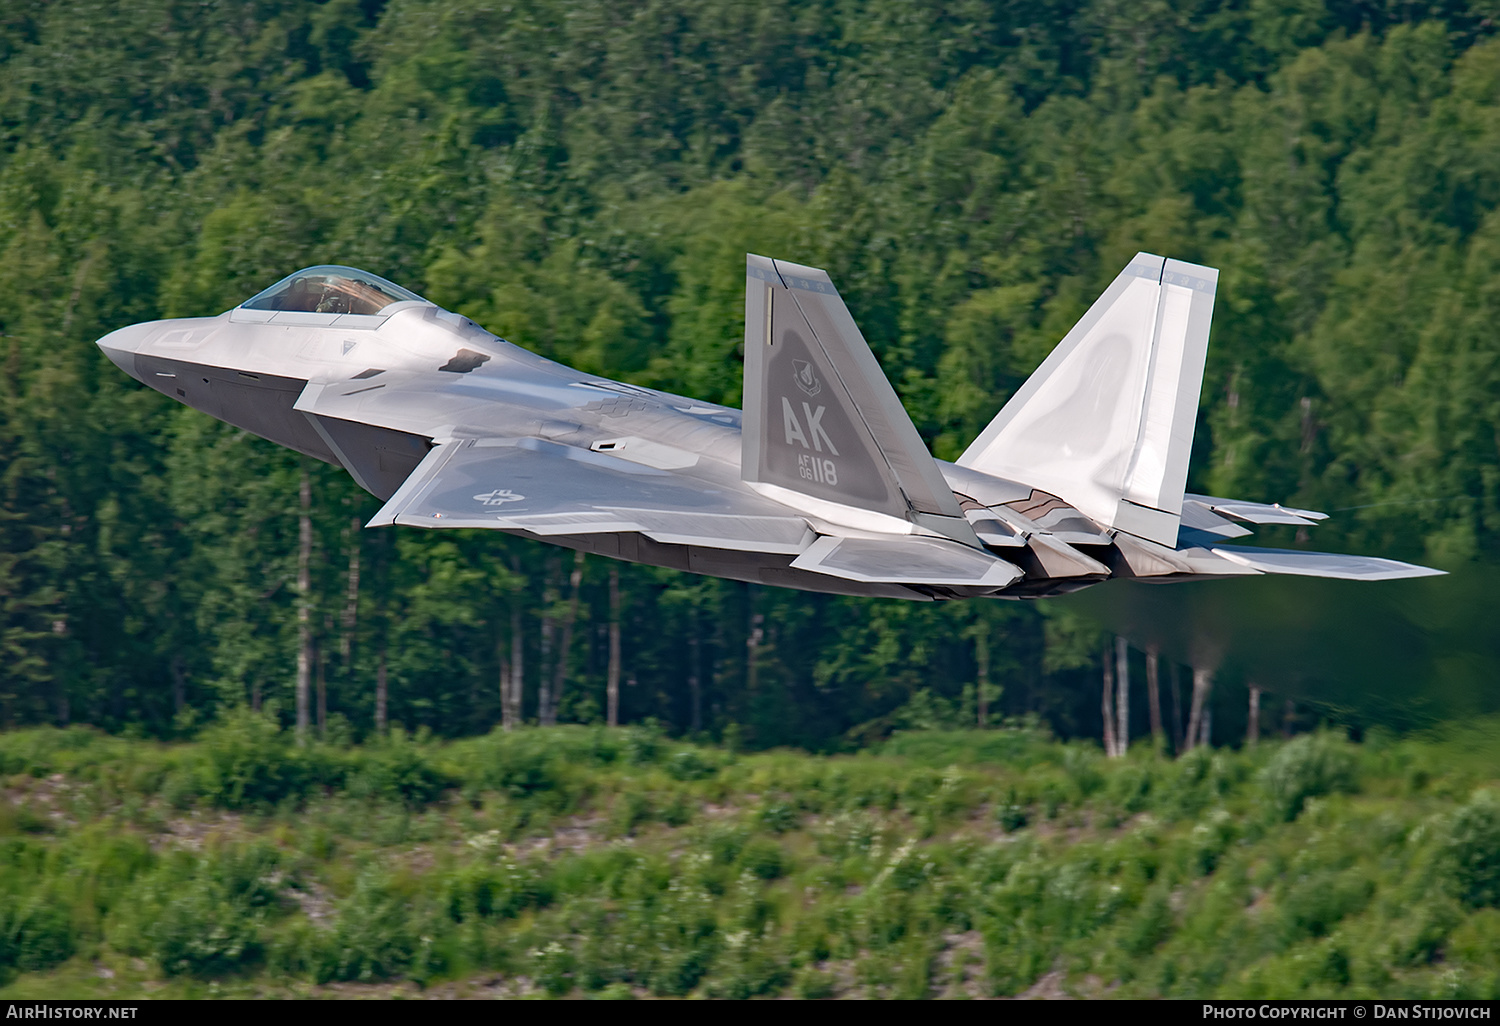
(548, 489)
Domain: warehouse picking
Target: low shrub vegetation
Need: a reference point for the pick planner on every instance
(582, 861)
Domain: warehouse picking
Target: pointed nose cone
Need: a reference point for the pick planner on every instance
(120, 346)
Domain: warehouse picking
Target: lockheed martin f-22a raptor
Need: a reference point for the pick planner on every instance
(821, 483)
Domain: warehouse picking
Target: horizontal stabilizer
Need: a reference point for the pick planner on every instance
(906, 560)
(1197, 517)
(1257, 512)
(1322, 564)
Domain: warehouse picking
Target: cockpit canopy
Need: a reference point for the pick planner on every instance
(331, 289)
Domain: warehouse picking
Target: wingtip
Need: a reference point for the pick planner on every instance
(1340, 566)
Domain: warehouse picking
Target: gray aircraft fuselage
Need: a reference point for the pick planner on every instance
(452, 426)
(249, 370)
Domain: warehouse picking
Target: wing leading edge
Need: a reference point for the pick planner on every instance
(556, 491)
(549, 490)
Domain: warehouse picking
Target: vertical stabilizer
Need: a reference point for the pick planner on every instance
(821, 420)
(1106, 422)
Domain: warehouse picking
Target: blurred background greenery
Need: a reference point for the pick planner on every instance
(585, 178)
(620, 863)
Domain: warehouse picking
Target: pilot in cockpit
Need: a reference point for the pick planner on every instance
(331, 290)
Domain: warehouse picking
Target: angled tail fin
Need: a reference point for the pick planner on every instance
(1106, 422)
(821, 420)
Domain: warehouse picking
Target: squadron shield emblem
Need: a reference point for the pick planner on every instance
(807, 378)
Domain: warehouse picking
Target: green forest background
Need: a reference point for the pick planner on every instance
(584, 179)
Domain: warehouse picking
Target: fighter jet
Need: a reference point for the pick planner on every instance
(820, 483)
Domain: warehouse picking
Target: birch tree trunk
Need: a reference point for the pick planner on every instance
(1197, 731)
(695, 676)
(1252, 729)
(380, 692)
(544, 682)
(720, 667)
(1108, 704)
(560, 678)
(351, 601)
(1122, 699)
(612, 679)
(548, 628)
(1153, 696)
(982, 672)
(752, 652)
(517, 665)
(503, 663)
(304, 610)
(1179, 740)
(320, 660)
(381, 579)
(179, 685)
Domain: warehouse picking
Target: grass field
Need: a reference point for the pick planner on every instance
(584, 862)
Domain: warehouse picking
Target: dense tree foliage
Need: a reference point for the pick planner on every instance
(584, 178)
